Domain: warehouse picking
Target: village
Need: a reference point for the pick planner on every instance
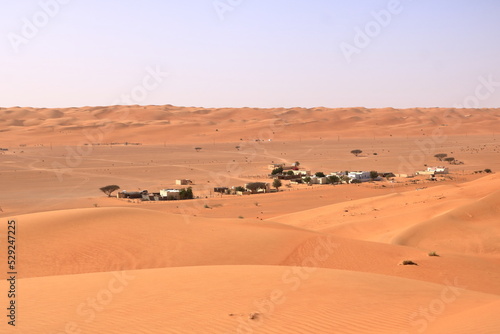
(279, 172)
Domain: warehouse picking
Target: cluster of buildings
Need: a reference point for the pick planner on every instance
(163, 195)
(434, 171)
(286, 172)
(296, 175)
(247, 189)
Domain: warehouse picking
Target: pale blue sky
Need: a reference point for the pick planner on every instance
(265, 53)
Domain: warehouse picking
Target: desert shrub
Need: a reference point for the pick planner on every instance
(433, 254)
(409, 263)
(487, 170)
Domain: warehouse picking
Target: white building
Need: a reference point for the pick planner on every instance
(170, 194)
(438, 170)
(302, 172)
(318, 180)
(361, 176)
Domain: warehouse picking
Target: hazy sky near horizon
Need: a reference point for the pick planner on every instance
(254, 53)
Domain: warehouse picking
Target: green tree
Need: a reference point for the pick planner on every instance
(320, 174)
(290, 173)
(240, 188)
(278, 170)
(333, 179)
(373, 175)
(450, 160)
(277, 183)
(254, 186)
(440, 156)
(345, 178)
(186, 193)
(109, 189)
(356, 152)
(307, 179)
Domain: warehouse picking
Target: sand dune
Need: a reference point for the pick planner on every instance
(471, 228)
(485, 321)
(247, 299)
(313, 123)
(383, 218)
(307, 259)
(107, 239)
(110, 239)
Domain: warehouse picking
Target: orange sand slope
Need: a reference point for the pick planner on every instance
(450, 217)
(251, 299)
(108, 239)
(132, 270)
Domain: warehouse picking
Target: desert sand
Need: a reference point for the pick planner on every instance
(306, 259)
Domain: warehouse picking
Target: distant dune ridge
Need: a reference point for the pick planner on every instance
(308, 259)
(156, 124)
